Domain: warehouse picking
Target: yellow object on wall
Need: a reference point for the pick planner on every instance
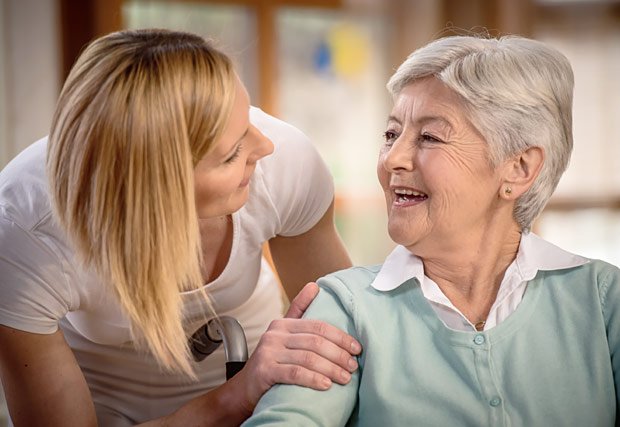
(349, 49)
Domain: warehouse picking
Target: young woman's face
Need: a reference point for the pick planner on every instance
(435, 170)
(222, 178)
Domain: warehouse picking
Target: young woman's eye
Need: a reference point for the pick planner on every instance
(234, 155)
(389, 137)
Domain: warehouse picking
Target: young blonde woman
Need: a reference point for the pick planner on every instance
(141, 215)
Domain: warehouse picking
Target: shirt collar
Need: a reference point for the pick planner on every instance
(399, 266)
(534, 254)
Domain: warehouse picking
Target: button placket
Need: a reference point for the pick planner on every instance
(489, 388)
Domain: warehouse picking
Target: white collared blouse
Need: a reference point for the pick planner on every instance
(534, 254)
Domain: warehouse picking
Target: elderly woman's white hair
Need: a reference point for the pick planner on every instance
(519, 94)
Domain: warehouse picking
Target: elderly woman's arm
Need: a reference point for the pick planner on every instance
(610, 297)
(286, 405)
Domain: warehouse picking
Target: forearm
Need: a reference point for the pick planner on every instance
(222, 407)
(43, 387)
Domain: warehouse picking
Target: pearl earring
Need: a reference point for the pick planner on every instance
(508, 190)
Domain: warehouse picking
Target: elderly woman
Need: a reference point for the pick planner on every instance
(472, 320)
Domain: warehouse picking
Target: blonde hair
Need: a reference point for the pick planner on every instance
(519, 93)
(136, 113)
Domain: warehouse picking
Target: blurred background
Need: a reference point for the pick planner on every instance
(322, 65)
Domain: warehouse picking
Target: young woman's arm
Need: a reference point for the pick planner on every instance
(308, 256)
(45, 386)
(42, 381)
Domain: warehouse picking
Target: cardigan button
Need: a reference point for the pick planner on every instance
(495, 401)
(479, 339)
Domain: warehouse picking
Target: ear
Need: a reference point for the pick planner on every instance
(520, 172)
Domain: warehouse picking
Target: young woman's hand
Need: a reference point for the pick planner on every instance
(298, 351)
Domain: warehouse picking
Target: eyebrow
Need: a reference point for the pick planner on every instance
(423, 120)
(392, 118)
(244, 134)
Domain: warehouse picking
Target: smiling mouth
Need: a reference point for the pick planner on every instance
(407, 196)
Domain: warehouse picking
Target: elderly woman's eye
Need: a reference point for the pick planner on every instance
(389, 136)
(426, 137)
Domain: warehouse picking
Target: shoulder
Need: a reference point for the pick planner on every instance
(353, 279)
(607, 278)
(352, 286)
(26, 217)
(344, 298)
(596, 282)
(291, 146)
(594, 271)
(24, 196)
(602, 269)
(275, 129)
(293, 182)
(348, 301)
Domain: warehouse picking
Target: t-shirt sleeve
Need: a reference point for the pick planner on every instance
(297, 179)
(34, 294)
(290, 405)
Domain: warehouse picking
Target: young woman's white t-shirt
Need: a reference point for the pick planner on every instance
(42, 286)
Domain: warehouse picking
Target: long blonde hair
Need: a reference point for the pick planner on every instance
(136, 113)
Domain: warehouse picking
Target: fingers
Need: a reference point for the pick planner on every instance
(319, 364)
(298, 375)
(305, 352)
(313, 346)
(320, 329)
(271, 365)
(301, 302)
(320, 355)
(299, 367)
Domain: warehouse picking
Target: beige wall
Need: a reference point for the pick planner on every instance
(29, 72)
(3, 87)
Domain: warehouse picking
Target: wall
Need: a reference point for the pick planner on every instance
(29, 71)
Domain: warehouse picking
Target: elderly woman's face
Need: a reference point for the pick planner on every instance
(435, 171)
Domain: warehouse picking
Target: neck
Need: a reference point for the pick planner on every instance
(471, 272)
(216, 243)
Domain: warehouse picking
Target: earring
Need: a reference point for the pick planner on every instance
(508, 190)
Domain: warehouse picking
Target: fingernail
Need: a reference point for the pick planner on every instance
(355, 347)
(326, 383)
(352, 364)
(345, 376)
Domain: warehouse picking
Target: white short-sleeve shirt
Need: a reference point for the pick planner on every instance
(43, 287)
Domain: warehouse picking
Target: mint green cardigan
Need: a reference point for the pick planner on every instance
(555, 361)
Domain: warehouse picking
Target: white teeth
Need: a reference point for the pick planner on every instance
(408, 192)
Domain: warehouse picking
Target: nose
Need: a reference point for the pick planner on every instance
(261, 146)
(400, 157)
